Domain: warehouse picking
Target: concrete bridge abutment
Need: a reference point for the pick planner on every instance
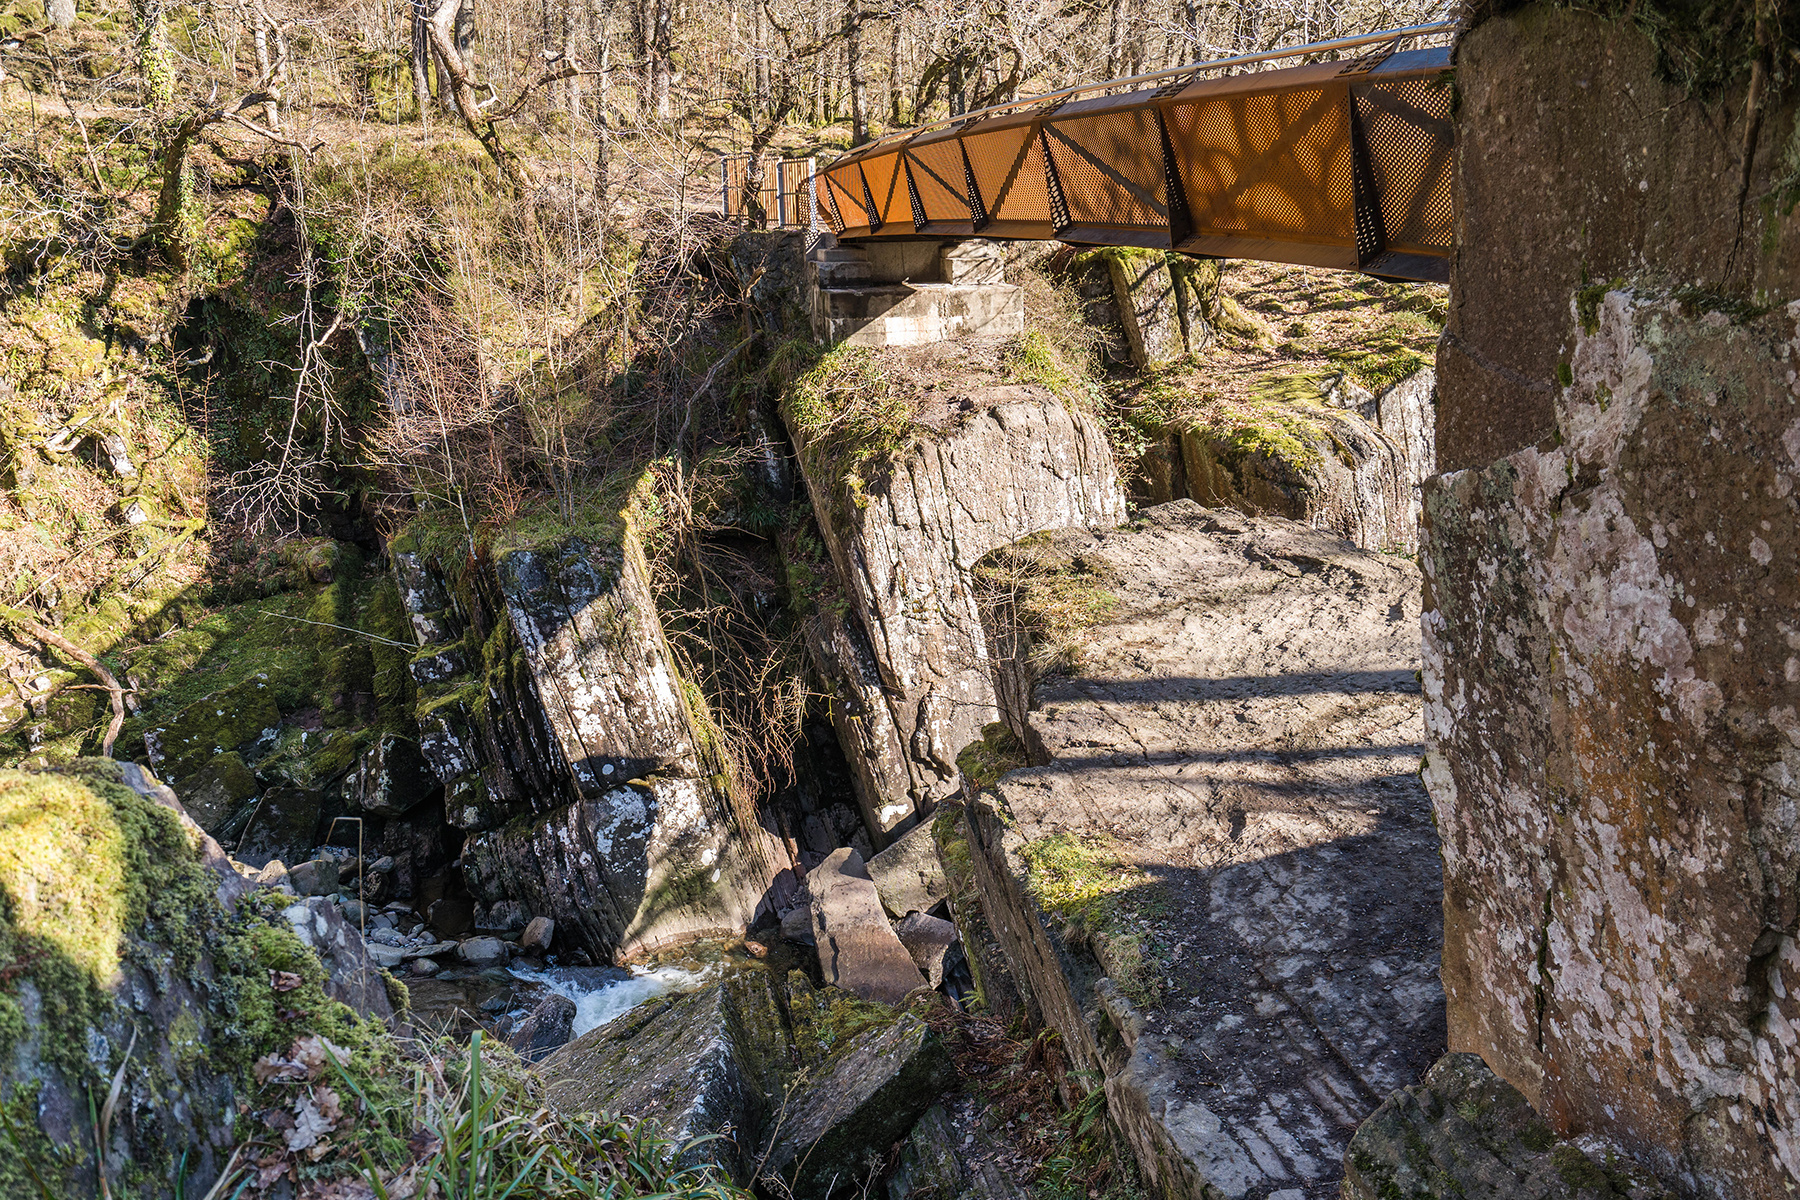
(910, 293)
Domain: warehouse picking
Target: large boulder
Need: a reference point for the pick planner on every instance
(836, 1129)
(908, 875)
(857, 948)
(707, 1063)
(284, 826)
(229, 720)
(211, 794)
(947, 1160)
(549, 1024)
(1013, 460)
(390, 778)
(1463, 1133)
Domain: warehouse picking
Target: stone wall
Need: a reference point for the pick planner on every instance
(1016, 462)
(1612, 625)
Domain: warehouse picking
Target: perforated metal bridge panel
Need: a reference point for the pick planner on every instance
(1340, 164)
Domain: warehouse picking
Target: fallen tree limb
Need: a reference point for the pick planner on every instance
(56, 641)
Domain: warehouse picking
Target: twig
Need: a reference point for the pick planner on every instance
(55, 640)
(373, 637)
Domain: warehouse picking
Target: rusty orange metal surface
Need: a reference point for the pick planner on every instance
(1334, 164)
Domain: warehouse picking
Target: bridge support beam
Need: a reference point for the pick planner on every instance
(910, 293)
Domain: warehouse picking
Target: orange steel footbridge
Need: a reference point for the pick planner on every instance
(1342, 163)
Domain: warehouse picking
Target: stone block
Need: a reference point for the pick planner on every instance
(972, 261)
(836, 1130)
(316, 877)
(916, 314)
(547, 1026)
(907, 874)
(928, 939)
(211, 794)
(857, 947)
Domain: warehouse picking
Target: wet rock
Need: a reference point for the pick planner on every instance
(538, 934)
(431, 950)
(857, 947)
(390, 778)
(424, 968)
(691, 1063)
(907, 874)
(913, 658)
(836, 1129)
(451, 916)
(213, 793)
(483, 952)
(317, 877)
(928, 939)
(1467, 1134)
(352, 974)
(284, 826)
(548, 1025)
(385, 957)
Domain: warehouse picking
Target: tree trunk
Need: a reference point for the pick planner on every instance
(155, 69)
(421, 58)
(853, 59)
(661, 45)
(893, 79)
(60, 13)
(452, 29)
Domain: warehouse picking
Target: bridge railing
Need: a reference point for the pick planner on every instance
(789, 191)
(1334, 164)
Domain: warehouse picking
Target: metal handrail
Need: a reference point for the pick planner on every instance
(1349, 43)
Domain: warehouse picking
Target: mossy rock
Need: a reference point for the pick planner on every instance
(212, 725)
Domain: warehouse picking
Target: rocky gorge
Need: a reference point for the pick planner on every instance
(1377, 782)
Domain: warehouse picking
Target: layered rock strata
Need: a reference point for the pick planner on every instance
(1218, 881)
(1356, 474)
(911, 655)
(1612, 655)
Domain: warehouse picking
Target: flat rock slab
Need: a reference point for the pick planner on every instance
(949, 1155)
(835, 1131)
(857, 947)
(1466, 1133)
(1236, 756)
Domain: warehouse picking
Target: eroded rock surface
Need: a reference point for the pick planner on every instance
(1463, 1132)
(858, 950)
(1613, 671)
(1013, 461)
(1232, 770)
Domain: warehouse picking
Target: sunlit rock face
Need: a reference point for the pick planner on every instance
(914, 664)
(1612, 624)
(571, 751)
(1612, 678)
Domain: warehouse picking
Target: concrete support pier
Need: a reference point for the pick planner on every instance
(910, 293)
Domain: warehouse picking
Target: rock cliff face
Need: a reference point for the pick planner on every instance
(1355, 473)
(1612, 651)
(1218, 880)
(1014, 462)
(576, 755)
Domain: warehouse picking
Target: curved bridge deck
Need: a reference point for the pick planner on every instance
(1342, 164)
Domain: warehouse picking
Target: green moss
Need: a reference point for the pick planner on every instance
(846, 415)
(825, 1018)
(1052, 599)
(996, 753)
(1097, 898)
(1587, 304)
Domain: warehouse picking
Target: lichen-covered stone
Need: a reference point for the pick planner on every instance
(213, 725)
(836, 1127)
(1612, 667)
(212, 793)
(1465, 1134)
(390, 778)
(1019, 463)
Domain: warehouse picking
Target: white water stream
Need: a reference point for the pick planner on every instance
(595, 1006)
